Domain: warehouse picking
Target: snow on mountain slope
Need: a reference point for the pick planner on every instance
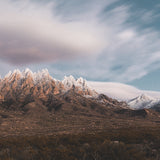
(143, 101)
(42, 84)
(120, 91)
(80, 85)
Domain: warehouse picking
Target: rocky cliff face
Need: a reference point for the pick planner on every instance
(26, 86)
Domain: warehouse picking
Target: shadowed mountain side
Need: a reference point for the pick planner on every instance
(69, 113)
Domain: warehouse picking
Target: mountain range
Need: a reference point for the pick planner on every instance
(135, 98)
(20, 87)
(35, 103)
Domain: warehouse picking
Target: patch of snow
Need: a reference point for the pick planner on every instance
(142, 101)
(68, 82)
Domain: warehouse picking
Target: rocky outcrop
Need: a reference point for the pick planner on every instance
(26, 86)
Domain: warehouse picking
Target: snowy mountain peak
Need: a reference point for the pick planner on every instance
(81, 81)
(80, 85)
(16, 71)
(43, 74)
(69, 78)
(16, 74)
(145, 97)
(142, 101)
(42, 82)
(27, 72)
(69, 81)
(8, 74)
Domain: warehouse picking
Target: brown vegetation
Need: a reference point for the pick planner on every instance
(120, 144)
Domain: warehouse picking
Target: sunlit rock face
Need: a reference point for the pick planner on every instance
(21, 86)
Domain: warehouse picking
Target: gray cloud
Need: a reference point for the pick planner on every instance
(30, 32)
(96, 41)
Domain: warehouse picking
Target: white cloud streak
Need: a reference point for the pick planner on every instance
(119, 91)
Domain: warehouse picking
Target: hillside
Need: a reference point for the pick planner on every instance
(35, 103)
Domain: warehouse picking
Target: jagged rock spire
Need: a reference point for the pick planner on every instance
(20, 85)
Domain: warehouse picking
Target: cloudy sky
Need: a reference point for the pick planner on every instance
(100, 40)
